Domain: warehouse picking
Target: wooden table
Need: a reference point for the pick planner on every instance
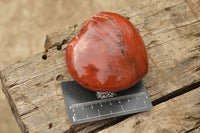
(171, 32)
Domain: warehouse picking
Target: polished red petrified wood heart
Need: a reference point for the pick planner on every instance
(108, 54)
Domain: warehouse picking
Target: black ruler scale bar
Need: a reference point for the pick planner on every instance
(109, 105)
(83, 106)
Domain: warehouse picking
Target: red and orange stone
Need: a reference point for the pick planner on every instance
(107, 55)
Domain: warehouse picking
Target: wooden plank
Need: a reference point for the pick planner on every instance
(178, 115)
(62, 37)
(170, 30)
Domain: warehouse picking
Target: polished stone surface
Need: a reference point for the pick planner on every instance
(108, 54)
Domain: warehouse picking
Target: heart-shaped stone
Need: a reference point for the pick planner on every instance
(108, 54)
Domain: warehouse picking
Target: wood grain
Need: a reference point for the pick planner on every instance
(178, 115)
(171, 32)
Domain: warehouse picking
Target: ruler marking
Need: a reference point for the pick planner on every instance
(137, 97)
(98, 112)
(85, 110)
(73, 117)
(107, 100)
(107, 114)
(145, 103)
(122, 108)
(140, 108)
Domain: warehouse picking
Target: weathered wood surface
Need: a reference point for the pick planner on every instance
(178, 115)
(171, 32)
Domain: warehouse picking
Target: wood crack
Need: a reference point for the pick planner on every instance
(165, 98)
(165, 9)
(73, 30)
(14, 110)
(30, 111)
(35, 77)
(197, 127)
(167, 64)
(167, 30)
(176, 93)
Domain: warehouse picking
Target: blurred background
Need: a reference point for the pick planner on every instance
(24, 25)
